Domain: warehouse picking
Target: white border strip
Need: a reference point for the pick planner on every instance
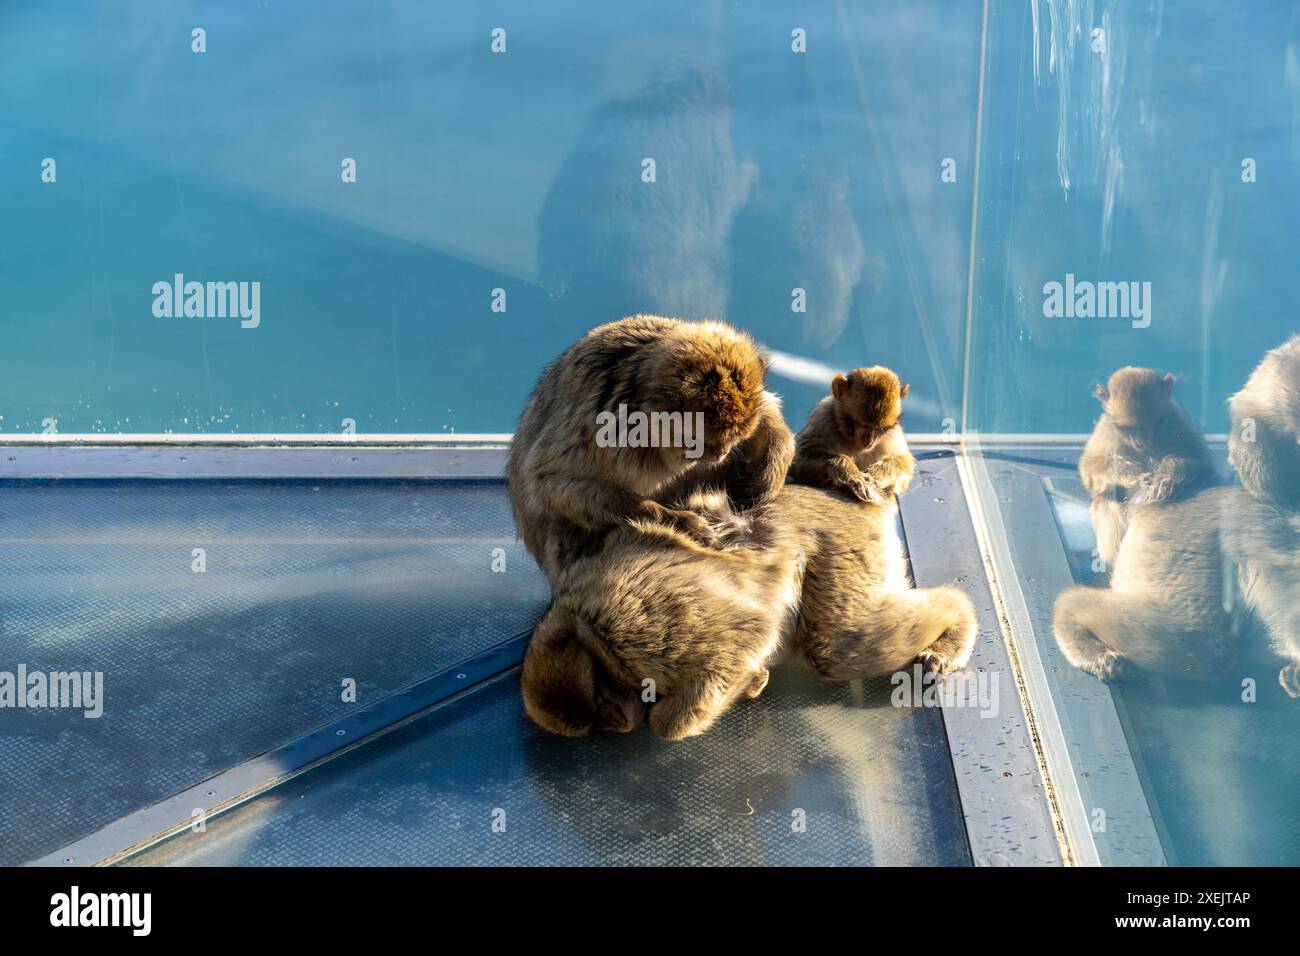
(1063, 786)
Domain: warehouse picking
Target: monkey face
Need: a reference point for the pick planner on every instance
(724, 392)
(1136, 397)
(870, 401)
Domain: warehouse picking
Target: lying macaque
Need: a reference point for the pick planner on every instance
(655, 613)
(853, 439)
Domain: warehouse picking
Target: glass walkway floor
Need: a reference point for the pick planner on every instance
(230, 614)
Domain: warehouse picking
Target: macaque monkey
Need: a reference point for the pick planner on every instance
(1264, 448)
(1264, 445)
(1143, 450)
(811, 573)
(1170, 607)
(853, 439)
(701, 383)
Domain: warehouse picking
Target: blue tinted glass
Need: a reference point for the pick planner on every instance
(503, 202)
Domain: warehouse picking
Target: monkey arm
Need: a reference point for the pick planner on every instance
(592, 504)
(755, 470)
(893, 465)
(1187, 463)
(1104, 468)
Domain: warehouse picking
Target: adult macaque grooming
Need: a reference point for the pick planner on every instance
(1143, 450)
(853, 439)
(811, 571)
(702, 382)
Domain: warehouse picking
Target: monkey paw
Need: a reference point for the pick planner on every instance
(697, 527)
(1109, 666)
(757, 684)
(940, 665)
(1289, 678)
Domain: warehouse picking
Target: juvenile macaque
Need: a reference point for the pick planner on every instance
(811, 572)
(853, 439)
(701, 383)
(1264, 445)
(1143, 450)
(1168, 609)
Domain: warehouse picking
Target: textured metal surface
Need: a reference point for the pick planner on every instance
(307, 583)
(1008, 819)
(1222, 775)
(872, 781)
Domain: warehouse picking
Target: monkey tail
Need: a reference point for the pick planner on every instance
(937, 622)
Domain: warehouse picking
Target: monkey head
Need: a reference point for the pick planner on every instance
(567, 691)
(869, 402)
(712, 369)
(1136, 398)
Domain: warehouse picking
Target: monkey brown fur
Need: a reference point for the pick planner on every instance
(1264, 444)
(811, 572)
(853, 439)
(567, 491)
(1143, 450)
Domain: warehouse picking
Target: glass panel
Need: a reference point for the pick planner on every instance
(809, 774)
(500, 206)
(208, 658)
(1136, 207)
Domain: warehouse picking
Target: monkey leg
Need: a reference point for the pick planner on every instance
(890, 633)
(1105, 632)
(695, 706)
(1078, 643)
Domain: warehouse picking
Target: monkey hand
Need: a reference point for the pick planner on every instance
(864, 489)
(1156, 487)
(693, 525)
(1289, 678)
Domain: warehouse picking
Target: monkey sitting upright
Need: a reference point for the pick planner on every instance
(1144, 449)
(568, 487)
(1264, 538)
(853, 439)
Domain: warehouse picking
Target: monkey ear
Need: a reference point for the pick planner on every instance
(1169, 382)
(1101, 393)
(902, 392)
(838, 384)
